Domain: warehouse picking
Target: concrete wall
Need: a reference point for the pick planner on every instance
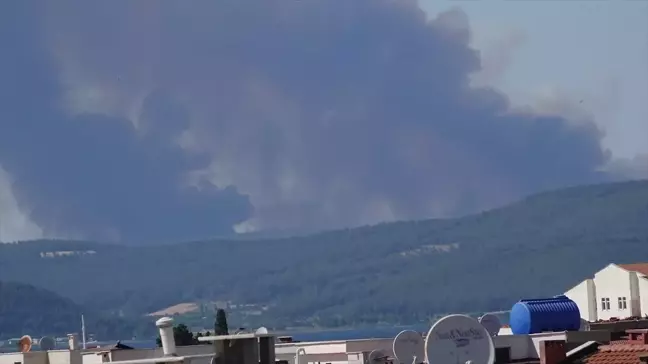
(64, 357)
(519, 344)
(642, 283)
(94, 358)
(611, 284)
(584, 295)
(386, 345)
(635, 298)
(11, 358)
(334, 352)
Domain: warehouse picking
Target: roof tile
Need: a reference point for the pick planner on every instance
(618, 357)
(636, 267)
(618, 352)
(626, 348)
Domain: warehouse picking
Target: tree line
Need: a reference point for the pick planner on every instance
(184, 337)
(393, 273)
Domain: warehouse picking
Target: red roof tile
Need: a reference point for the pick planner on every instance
(626, 348)
(621, 342)
(618, 352)
(620, 357)
(636, 267)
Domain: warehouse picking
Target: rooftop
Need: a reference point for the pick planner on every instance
(636, 267)
(627, 351)
(614, 358)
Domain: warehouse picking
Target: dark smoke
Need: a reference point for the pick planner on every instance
(94, 175)
(326, 113)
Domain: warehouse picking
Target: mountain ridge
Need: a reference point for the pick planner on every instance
(399, 272)
(26, 309)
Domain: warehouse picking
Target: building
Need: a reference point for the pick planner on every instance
(517, 349)
(616, 291)
(549, 347)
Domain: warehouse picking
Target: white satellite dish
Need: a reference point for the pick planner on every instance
(47, 343)
(261, 331)
(459, 339)
(492, 324)
(377, 357)
(409, 347)
(584, 325)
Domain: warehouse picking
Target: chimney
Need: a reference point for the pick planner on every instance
(552, 351)
(165, 325)
(72, 342)
(638, 336)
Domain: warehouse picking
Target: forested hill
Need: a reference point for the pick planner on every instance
(396, 272)
(27, 310)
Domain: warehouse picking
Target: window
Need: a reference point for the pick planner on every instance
(605, 304)
(623, 304)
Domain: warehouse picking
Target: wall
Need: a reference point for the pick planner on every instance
(11, 358)
(93, 357)
(643, 296)
(35, 357)
(519, 344)
(584, 295)
(334, 352)
(635, 298)
(386, 345)
(135, 354)
(613, 282)
(42, 357)
(64, 357)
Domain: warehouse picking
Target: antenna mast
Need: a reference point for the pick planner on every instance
(83, 331)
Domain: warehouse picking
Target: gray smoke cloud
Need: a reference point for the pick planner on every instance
(632, 168)
(170, 120)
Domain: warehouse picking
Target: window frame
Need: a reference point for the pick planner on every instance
(623, 303)
(605, 304)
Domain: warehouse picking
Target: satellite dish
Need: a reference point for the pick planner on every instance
(459, 339)
(25, 344)
(47, 343)
(409, 347)
(491, 323)
(377, 357)
(584, 325)
(261, 331)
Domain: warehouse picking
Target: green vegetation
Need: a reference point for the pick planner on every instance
(27, 310)
(220, 325)
(403, 272)
(183, 337)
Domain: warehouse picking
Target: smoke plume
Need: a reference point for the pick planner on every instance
(161, 120)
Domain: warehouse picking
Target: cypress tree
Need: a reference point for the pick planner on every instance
(220, 326)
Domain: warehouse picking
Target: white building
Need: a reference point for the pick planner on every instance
(616, 291)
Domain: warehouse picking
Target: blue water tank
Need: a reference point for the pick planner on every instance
(545, 314)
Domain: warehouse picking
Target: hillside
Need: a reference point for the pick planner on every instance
(25, 309)
(397, 272)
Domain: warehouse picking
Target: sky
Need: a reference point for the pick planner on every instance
(148, 122)
(594, 50)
